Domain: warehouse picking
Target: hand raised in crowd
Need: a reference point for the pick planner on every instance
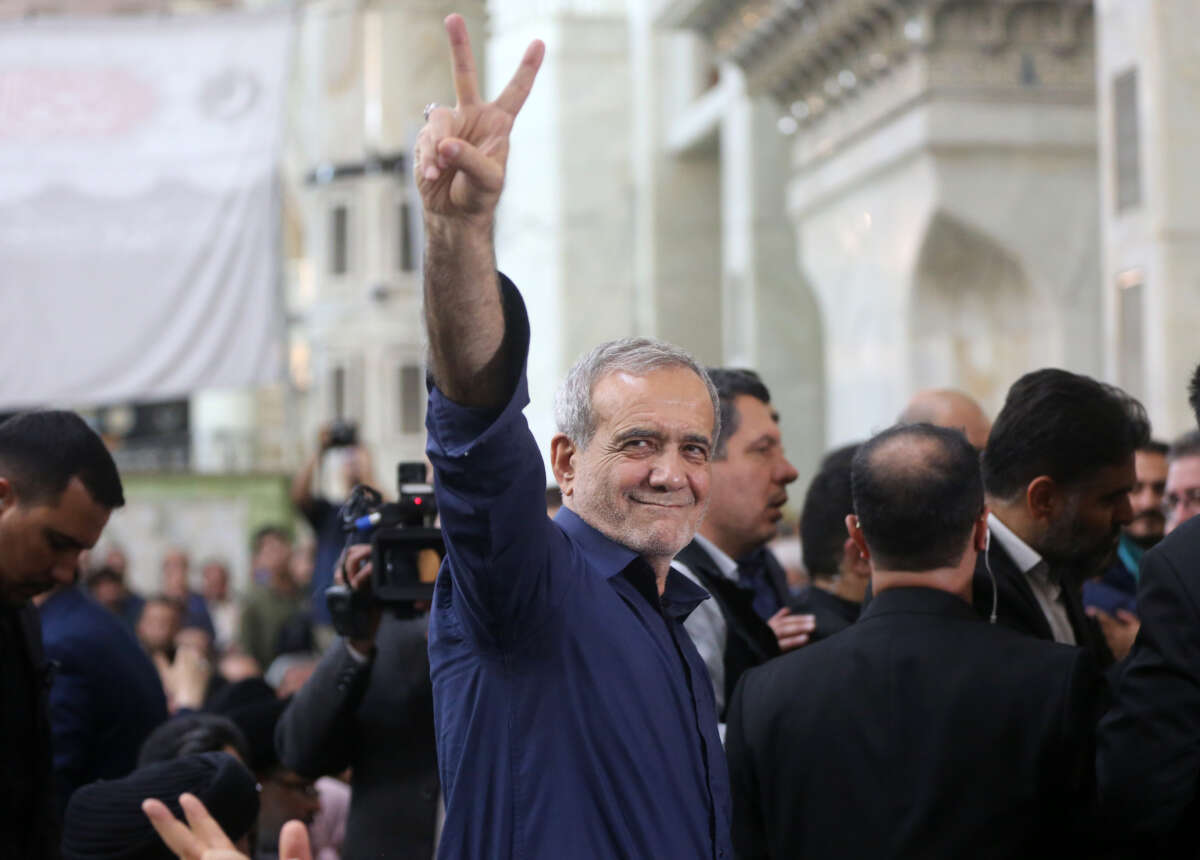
(203, 839)
(354, 569)
(186, 679)
(1119, 630)
(792, 631)
(460, 155)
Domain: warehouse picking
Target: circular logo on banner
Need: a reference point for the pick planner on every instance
(230, 95)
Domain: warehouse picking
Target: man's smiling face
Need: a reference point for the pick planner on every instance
(643, 477)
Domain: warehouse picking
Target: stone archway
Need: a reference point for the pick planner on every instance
(975, 322)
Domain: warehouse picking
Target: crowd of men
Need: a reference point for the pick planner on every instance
(996, 652)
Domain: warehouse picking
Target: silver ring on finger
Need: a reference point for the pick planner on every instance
(430, 108)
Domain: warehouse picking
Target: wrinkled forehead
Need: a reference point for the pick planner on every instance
(668, 395)
(1183, 473)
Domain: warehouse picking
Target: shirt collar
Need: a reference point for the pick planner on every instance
(917, 599)
(680, 595)
(605, 554)
(1025, 557)
(727, 566)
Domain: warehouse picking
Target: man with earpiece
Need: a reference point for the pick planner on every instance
(941, 736)
(1058, 469)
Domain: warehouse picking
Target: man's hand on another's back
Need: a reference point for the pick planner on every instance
(792, 631)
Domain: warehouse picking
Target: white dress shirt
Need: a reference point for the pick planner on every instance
(706, 625)
(1037, 573)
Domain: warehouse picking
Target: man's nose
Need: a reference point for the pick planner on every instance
(786, 473)
(669, 471)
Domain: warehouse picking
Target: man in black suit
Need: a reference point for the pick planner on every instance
(748, 620)
(58, 485)
(1148, 761)
(840, 575)
(920, 731)
(369, 707)
(1058, 469)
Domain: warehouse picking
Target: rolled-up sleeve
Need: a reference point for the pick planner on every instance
(490, 486)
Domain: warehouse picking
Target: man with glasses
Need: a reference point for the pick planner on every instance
(285, 795)
(1182, 499)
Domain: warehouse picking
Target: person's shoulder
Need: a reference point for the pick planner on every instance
(778, 675)
(1181, 547)
(1025, 655)
(70, 610)
(90, 634)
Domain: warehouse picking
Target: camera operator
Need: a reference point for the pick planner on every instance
(369, 707)
(322, 513)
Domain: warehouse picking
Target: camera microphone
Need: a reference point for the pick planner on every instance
(368, 522)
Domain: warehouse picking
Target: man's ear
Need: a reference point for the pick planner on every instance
(983, 535)
(1043, 497)
(8, 495)
(562, 461)
(857, 536)
(853, 561)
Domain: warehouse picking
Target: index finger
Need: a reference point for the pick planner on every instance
(518, 88)
(462, 61)
(172, 831)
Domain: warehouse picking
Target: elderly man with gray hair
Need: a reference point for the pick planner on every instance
(574, 716)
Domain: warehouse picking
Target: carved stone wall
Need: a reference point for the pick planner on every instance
(942, 185)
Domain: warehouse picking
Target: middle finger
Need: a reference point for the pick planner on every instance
(202, 823)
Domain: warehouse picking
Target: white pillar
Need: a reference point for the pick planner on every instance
(1151, 264)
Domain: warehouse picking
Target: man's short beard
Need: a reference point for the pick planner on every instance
(1068, 551)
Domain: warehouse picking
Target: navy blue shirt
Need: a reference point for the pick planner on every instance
(574, 716)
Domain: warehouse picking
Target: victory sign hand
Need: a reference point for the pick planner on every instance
(461, 153)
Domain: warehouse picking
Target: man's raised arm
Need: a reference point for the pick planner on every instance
(459, 161)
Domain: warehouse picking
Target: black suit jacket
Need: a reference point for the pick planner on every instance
(749, 641)
(1019, 610)
(29, 825)
(833, 613)
(376, 717)
(1148, 761)
(921, 732)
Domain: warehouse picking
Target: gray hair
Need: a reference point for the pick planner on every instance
(636, 355)
(1187, 445)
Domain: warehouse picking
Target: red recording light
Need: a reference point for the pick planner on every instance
(417, 500)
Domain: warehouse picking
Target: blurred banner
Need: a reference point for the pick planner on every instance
(140, 206)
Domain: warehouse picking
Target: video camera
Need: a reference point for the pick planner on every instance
(399, 533)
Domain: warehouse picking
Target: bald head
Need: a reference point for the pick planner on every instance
(918, 493)
(946, 407)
